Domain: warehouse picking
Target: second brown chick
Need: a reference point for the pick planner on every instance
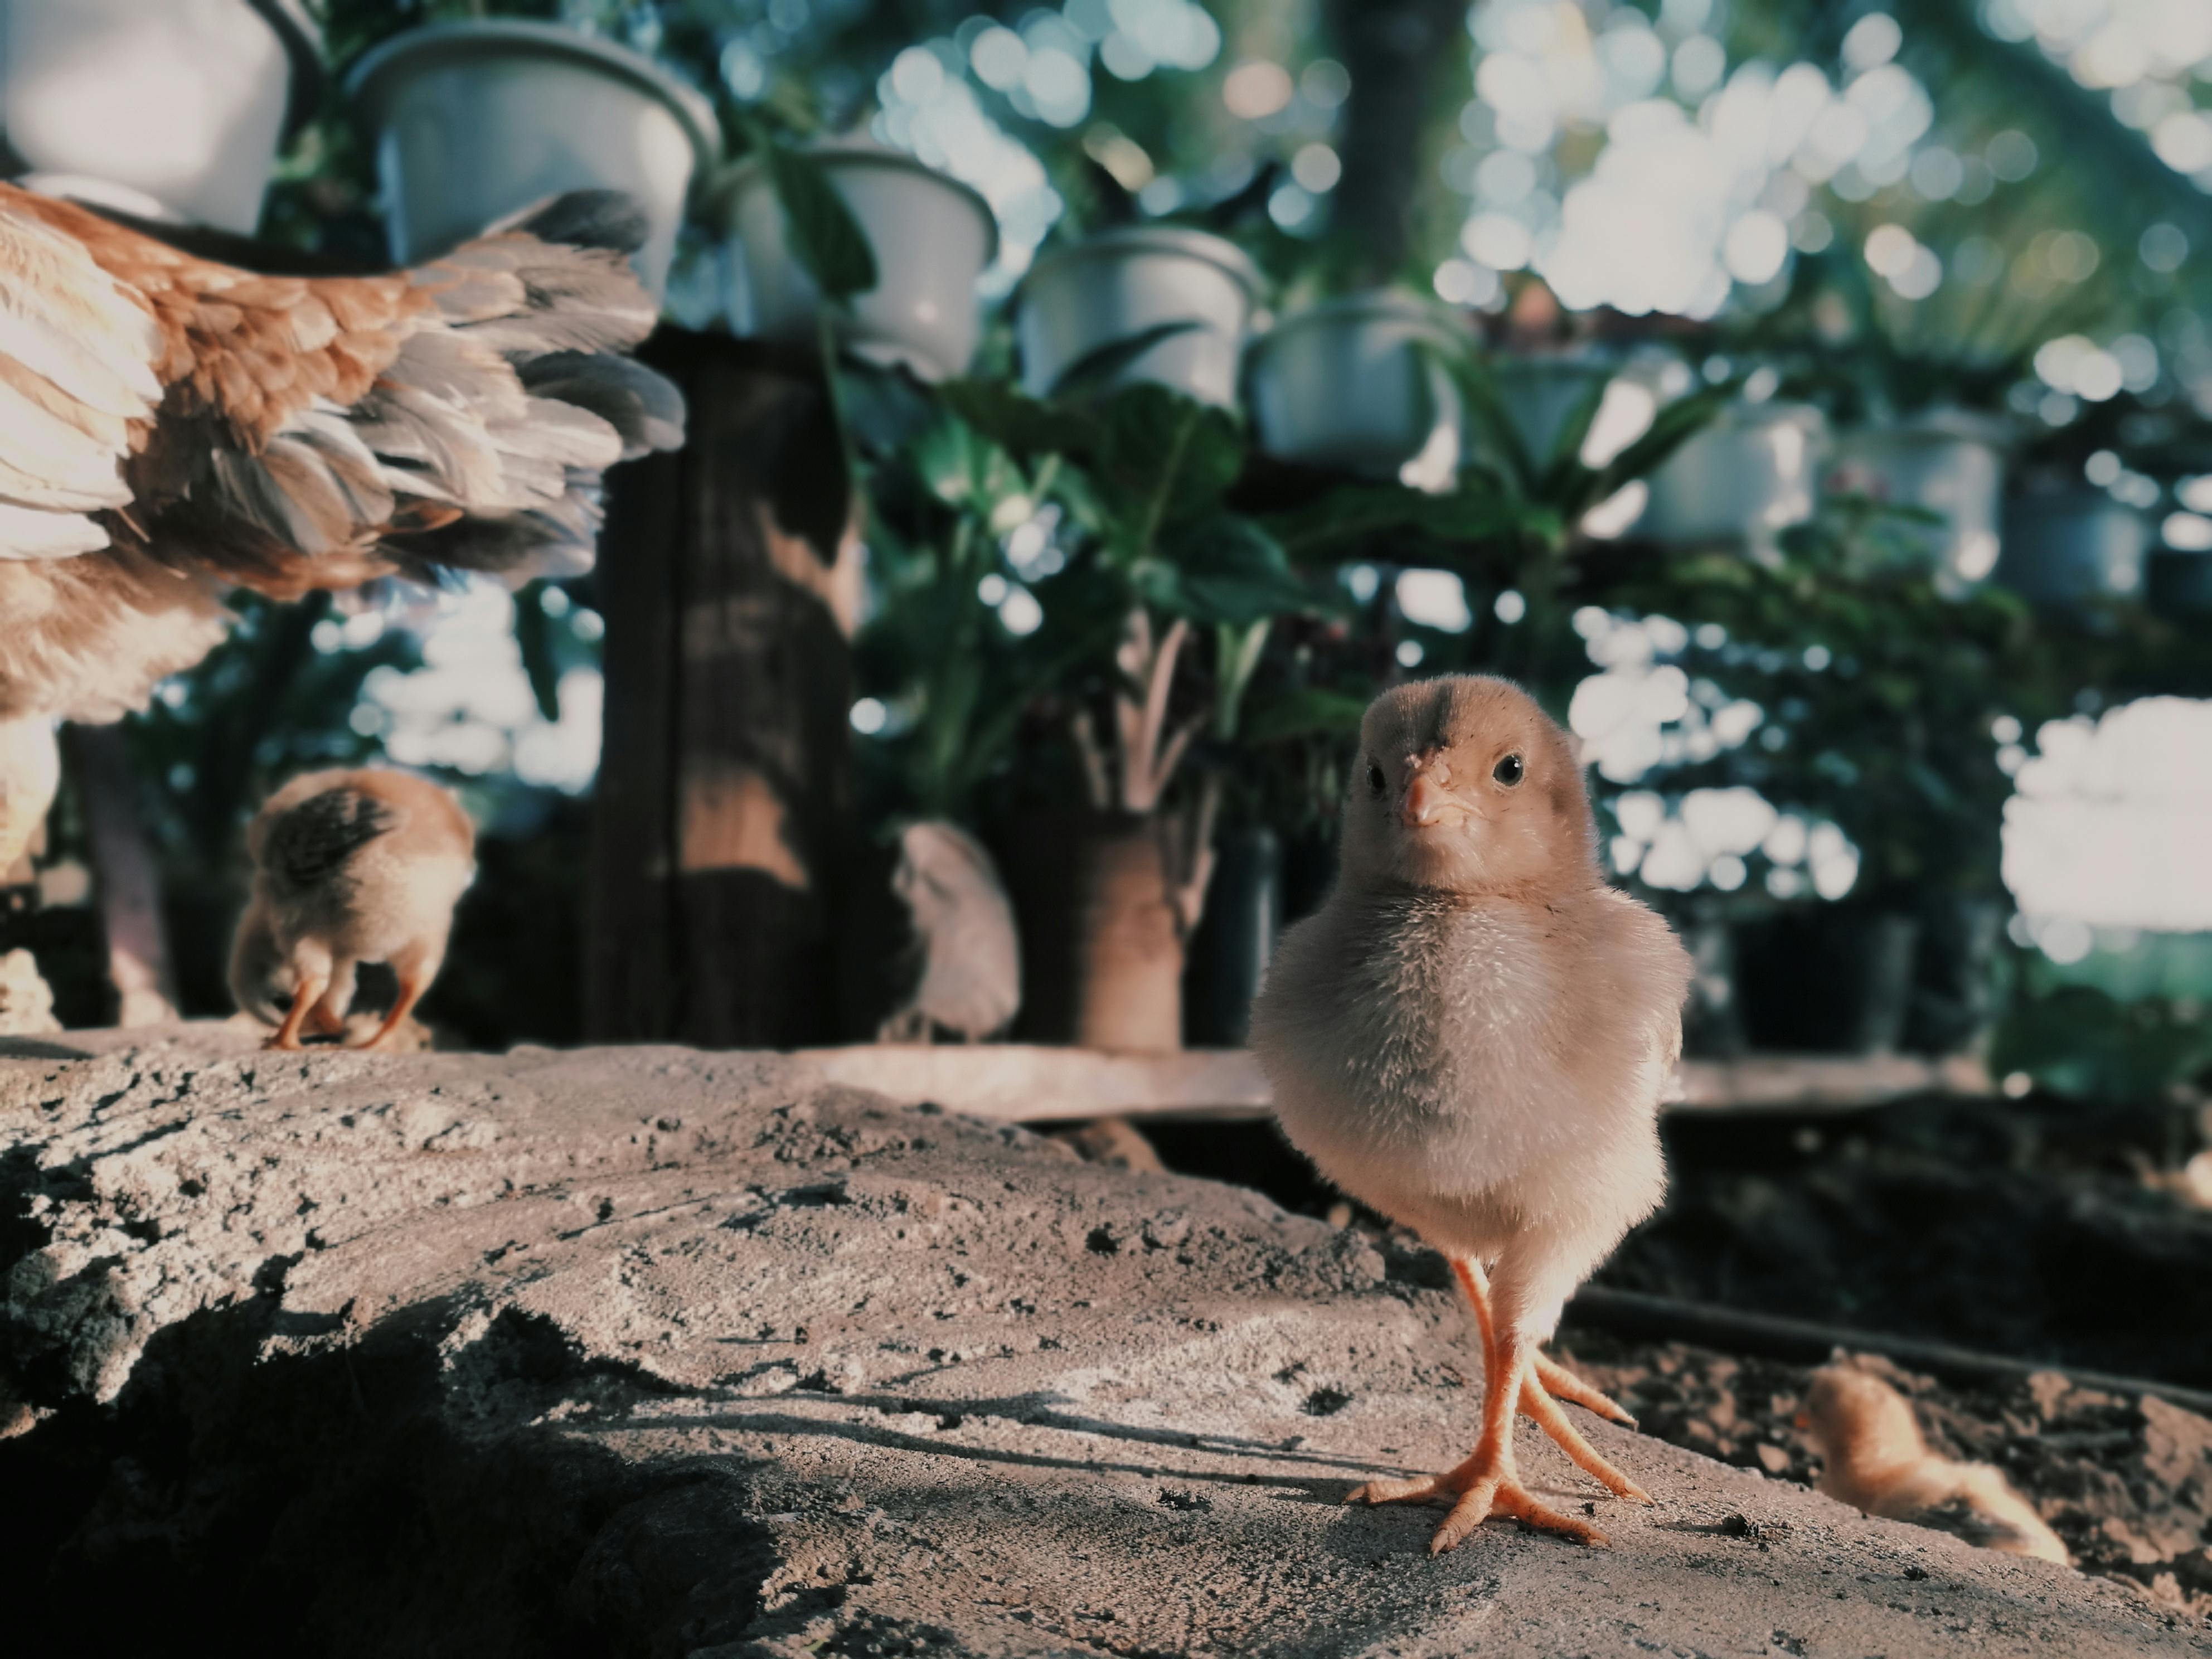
(350, 866)
(1875, 1460)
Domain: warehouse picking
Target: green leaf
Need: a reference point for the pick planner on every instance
(964, 469)
(824, 235)
(1492, 421)
(1673, 427)
(1565, 458)
(1231, 572)
(1171, 455)
(1309, 712)
(1021, 423)
(1094, 367)
(1237, 650)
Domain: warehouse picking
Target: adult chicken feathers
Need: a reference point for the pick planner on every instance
(172, 426)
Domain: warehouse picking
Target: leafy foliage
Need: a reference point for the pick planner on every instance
(825, 237)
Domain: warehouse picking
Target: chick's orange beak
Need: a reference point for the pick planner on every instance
(1425, 802)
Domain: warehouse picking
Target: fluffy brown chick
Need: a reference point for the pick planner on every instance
(1471, 1038)
(350, 866)
(1874, 1459)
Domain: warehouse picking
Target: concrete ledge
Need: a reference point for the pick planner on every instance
(652, 1352)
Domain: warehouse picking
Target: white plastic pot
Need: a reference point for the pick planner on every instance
(1540, 393)
(476, 120)
(1950, 462)
(1750, 475)
(2065, 548)
(181, 103)
(932, 238)
(1347, 385)
(1118, 285)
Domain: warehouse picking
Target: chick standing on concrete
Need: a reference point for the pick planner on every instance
(1874, 1459)
(1471, 1038)
(349, 867)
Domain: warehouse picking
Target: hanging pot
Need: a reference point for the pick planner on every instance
(1347, 384)
(1101, 951)
(1235, 940)
(1540, 391)
(1117, 285)
(932, 237)
(476, 120)
(1750, 475)
(1826, 979)
(1950, 462)
(167, 108)
(2064, 548)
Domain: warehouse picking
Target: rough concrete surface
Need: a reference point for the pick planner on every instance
(657, 1352)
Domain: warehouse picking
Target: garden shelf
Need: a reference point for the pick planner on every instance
(1033, 1084)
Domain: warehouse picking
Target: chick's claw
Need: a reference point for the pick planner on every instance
(1503, 1495)
(1537, 1404)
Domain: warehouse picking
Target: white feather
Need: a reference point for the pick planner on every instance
(28, 532)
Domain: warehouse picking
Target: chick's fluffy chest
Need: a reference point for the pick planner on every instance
(1475, 1067)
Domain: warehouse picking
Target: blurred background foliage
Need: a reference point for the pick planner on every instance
(2001, 207)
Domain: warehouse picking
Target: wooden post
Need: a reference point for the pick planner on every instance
(730, 575)
(1398, 53)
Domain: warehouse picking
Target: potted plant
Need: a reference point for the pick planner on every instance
(945, 666)
(474, 120)
(1153, 631)
(2079, 532)
(1540, 440)
(1950, 463)
(1872, 694)
(1915, 390)
(2067, 545)
(1186, 295)
(1347, 384)
(919, 312)
(162, 109)
(1749, 476)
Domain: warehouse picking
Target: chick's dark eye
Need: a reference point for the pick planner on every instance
(1374, 778)
(1509, 771)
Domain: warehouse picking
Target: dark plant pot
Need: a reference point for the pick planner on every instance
(1826, 979)
(2179, 584)
(2064, 549)
(1309, 872)
(1235, 939)
(1102, 961)
(1954, 979)
(1712, 1019)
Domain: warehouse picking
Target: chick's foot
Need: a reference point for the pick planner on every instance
(1482, 1486)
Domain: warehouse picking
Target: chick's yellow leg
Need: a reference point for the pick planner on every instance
(414, 971)
(1539, 1387)
(1489, 1482)
(1549, 1377)
(309, 993)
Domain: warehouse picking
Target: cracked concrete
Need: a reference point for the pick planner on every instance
(658, 1353)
